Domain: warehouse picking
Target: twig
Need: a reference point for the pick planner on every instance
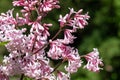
(57, 33)
(34, 43)
(58, 65)
(48, 42)
(22, 76)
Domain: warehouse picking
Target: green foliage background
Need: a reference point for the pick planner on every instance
(103, 32)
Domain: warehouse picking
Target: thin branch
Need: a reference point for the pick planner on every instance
(58, 65)
(34, 43)
(37, 11)
(41, 48)
(22, 76)
(82, 56)
(57, 33)
(48, 42)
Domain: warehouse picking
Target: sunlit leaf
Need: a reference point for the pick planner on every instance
(3, 43)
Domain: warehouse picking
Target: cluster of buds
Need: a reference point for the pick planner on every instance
(32, 52)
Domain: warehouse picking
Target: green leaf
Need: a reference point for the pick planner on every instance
(3, 43)
(26, 78)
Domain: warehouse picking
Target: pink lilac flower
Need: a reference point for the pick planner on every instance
(48, 5)
(28, 53)
(38, 35)
(73, 66)
(27, 4)
(74, 19)
(79, 20)
(7, 21)
(36, 66)
(18, 46)
(66, 19)
(49, 77)
(41, 7)
(68, 37)
(46, 30)
(35, 42)
(61, 51)
(28, 7)
(63, 20)
(11, 65)
(20, 20)
(63, 76)
(41, 30)
(8, 27)
(3, 76)
(37, 27)
(44, 6)
(56, 50)
(7, 18)
(8, 31)
(73, 58)
(93, 61)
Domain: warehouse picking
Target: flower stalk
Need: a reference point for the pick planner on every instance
(22, 77)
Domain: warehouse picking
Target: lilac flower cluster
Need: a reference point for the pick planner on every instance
(28, 54)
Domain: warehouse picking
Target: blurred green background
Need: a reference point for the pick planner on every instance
(102, 32)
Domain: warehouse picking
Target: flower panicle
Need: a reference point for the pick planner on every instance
(31, 50)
